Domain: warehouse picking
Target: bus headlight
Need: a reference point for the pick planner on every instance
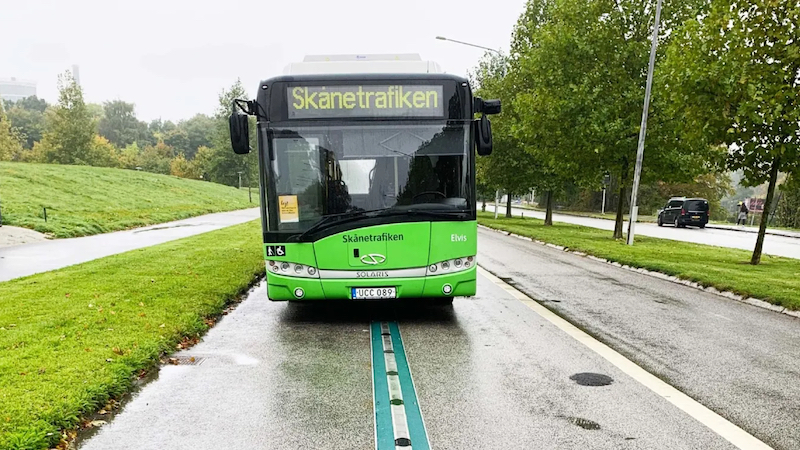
(450, 266)
(292, 269)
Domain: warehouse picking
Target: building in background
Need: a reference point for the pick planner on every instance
(12, 89)
(76, 74)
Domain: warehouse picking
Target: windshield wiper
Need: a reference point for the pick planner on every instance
(349, 216)
(332, 219)
(426, 213)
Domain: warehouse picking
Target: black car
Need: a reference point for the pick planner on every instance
(681, 211)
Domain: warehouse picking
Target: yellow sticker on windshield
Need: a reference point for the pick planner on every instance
(288, 211)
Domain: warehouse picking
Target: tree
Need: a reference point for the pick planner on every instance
(9, 139)
(734, 81)
(156, 158)
(177, 139)
(510, 167)
(581, 68)
(27, 116)
(181, 167)
(70, 129)
(788, 212)
(129, 156)
(223, 165)
(202, 162)
(199, 131)
(102, 153)
(118, 123)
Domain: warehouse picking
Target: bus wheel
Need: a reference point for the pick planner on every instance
(444, 301)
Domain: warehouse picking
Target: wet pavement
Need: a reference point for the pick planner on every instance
(28, 259)
(489, 371)
(739, 360)
(773, 245)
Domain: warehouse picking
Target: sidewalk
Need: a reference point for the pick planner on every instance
(746, 229)
(785, 233)
(28, 259)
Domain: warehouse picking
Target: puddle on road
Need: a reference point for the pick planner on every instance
(586, 424)
(591, 379)
(508, 280)
(185, 360)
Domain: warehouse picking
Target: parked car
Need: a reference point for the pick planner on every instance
(681, 211)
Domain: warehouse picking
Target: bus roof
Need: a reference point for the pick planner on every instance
(377, 77)
(361, 64)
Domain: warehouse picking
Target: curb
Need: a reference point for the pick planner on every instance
(774, 233)
(711, 290)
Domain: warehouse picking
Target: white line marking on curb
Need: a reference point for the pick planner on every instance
(705, 416)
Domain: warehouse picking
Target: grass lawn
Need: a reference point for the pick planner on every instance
(72, 339)
(82, 200)
(776, 279)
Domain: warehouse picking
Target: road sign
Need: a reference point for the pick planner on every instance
(756, 204)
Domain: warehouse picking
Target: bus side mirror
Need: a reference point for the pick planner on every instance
(491, 107)
(483, 136)
(240, 133)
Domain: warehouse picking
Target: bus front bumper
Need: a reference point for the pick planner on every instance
(459, 284)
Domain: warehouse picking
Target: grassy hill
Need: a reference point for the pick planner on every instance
(82, 200)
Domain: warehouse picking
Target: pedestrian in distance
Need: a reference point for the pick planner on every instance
(742, 218)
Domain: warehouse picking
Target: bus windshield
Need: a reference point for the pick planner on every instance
(324, 170)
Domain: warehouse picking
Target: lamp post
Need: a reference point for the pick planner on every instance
(498, 52)
(442, 38)
(643, 129)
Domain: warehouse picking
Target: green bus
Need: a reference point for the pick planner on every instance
(367, 184)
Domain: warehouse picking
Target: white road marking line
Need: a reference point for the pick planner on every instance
(705, 416)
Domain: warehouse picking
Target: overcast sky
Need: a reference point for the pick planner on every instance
(172, 57)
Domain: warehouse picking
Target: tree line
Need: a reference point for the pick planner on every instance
(110, 135)
(724, 99)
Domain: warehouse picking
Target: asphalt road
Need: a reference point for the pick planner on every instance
(773, 245)
(28, 259)
(489, 372)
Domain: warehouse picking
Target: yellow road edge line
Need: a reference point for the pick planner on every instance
(693, 408)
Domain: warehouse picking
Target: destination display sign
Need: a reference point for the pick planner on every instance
(317, 102)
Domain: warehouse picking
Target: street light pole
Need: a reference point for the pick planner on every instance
(498, 52)
(442, 38)
(603, 208)
(496, 201)
(643, 129)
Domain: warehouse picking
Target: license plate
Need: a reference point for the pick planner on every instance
(374, 293)
(696, 217)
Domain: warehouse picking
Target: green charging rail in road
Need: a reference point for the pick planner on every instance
(367, 183)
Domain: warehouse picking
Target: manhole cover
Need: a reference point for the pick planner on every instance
(591, 379)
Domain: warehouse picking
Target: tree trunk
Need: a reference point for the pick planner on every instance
(762, 229)
(508, 204)
(548, 215)
(619, 224)
(483, 206)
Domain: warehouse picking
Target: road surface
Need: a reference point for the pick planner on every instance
(489, 372)
(773, 245)
(28, 259)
